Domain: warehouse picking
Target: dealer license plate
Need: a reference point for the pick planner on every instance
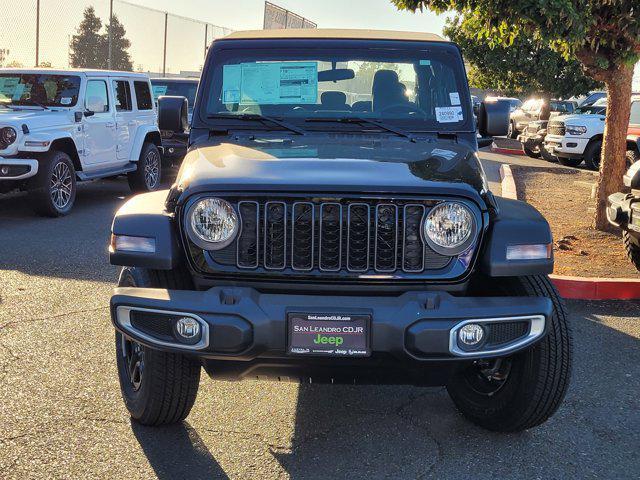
(329, 334)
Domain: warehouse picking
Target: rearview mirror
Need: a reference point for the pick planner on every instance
(493, 118)
(173, 113)
(336, 75)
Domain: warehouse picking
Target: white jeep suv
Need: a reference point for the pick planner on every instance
(577, 137)
(62, 126)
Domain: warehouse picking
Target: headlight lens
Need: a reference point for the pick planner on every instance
(449, 228)
(8, 135)
(213, 223)
(576, 129)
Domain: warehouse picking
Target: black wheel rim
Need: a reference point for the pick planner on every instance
(133, 354)
(61, 187)
(152, 169)
(488, 377)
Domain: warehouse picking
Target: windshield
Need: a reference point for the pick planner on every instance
(173, 87)
(416, 89)
(39, 89)
(592, 109)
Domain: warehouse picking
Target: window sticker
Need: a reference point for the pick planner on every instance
(158, 91)
(66, 101)
(425, 62)
(449, 114)
(455, 98)
(270, 83)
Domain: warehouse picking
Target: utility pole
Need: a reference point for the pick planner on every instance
(164, 53)
(109, 33)
(37, 33)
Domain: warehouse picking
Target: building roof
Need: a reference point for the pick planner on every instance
(77, 71)
(335, 33)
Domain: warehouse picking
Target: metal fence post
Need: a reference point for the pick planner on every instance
(206, 31)
(37, 33)
(164, 53)
(109, 60)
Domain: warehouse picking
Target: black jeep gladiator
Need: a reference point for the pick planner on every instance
(332, 222)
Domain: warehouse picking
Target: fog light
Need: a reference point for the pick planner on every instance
(529, 252)
(471, 335)
(4, 170)
(188, 328)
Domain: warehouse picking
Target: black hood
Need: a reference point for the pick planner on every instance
(333, 163)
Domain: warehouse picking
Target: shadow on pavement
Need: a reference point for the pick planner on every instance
(407, 432)
(177, 451)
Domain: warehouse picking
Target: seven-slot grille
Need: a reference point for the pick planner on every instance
(359, 236)
(555, 128)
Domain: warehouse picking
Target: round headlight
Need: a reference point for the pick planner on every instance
(212, 223)
(449, 228)
(8, 135)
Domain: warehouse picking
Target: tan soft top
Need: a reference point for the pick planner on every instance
(335, 33)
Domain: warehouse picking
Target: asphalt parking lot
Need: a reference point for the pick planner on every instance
(61, 415)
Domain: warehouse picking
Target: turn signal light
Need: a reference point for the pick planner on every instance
(126, 243)
(529, 252)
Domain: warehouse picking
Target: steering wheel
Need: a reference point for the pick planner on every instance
(403, 106)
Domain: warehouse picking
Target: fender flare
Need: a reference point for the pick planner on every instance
(144, 132)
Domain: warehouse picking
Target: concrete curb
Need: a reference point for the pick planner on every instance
(507, 151)
(579, 288)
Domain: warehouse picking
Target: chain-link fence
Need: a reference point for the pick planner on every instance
(68, 33)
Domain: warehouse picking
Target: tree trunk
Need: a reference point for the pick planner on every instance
(614, 144)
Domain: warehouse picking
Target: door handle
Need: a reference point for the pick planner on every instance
(110, 124)
(132, 122)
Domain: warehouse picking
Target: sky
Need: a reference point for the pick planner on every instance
(248, 14)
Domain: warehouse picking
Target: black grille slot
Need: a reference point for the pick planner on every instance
(302, 236)
(506, 332)
(154, 324)
(358, 237)
(556, 128)
(275, 239)
(330, 237)
(247, 245)
(412, 246)
(386, 243)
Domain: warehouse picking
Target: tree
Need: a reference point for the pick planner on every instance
(120, 58)
(603, 35)
(90, 46)
(527, 66)
(87, 46)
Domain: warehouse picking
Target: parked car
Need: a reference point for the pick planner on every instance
(592, 98)
(633, 133)
(314, 239)
(536, 109)
(175, 142)
(62, 126)
(578, 137)
(532, 139)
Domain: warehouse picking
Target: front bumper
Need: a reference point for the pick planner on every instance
(623, 211)
(18, 168)
(244, 325)
(531, 140)
(567, 147)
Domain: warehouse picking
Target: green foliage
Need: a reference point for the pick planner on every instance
(90, 46)
(602, 34)
(525, 67)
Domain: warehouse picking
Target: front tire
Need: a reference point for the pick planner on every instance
(521, 391)
(147, 176)
(52, 192)
(592, 155)
(532, 152)
(158, 388)
(632, 247)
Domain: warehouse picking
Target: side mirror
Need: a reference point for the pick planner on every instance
(493, 118)
(173, 113)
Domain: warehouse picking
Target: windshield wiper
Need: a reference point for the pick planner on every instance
(6, 105)
(260, 118)
(32, 102)
(371, 121)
